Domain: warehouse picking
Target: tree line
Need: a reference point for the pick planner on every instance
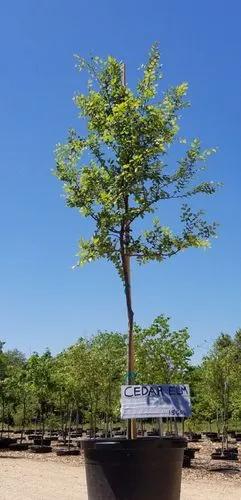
(81, 385)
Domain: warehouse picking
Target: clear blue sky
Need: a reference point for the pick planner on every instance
(43, 302)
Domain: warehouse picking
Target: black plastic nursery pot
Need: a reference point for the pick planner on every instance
(18, 446)
(63, 452)
(139, 469)
(6, 441)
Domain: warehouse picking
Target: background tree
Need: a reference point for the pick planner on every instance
(236, 377)
(117, 173)
(218, 381)
(40, 375)
(25, 404)
(3, 375)
(81, 385)
(162, 355)
(70, 378)
(108, 351)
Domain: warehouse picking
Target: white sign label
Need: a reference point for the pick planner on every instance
(144, 401)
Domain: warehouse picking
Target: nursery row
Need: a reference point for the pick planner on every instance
(81, 385)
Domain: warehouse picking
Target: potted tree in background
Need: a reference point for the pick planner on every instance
(218, 387)
(40, 375)
(117, 175)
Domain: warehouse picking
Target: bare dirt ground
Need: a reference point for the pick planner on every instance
(26, 476)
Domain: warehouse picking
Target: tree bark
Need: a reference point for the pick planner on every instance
(69, 427)
(3, 416)
(160, 421)
(125, 258)
(24, 418)
(77, 419)
(61, 413)
(43, 422)
(8, 425)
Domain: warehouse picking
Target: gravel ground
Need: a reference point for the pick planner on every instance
(209, 490)
(23, 479)
(26, 476)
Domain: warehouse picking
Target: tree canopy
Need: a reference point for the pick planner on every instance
(118, 172)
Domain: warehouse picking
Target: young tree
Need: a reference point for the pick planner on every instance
(25, 403)
(40, 377)
(218, 380)
(3, 376)
(108, 356)
(117, 173)
(70, 378)
(162, 355)
(11, 365)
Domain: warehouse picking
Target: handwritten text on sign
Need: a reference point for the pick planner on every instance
(143, 401)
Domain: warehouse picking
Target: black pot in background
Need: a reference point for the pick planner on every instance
(139, 469)
(6, 441)
(18, 446)
(39, 441)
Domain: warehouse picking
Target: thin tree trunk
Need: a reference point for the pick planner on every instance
(94, 424)
(125, 258)
(91, 420)
(142, 428)
(225, 415)
(106, 424)
(77, 419)
(217, 422)
(109, 411)
(160, 421)
(69, 430)
(43, 422)
(65, 424)
(95, 413)
(175, 426)
(23, 419)
(3, 416)
(62, 414)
